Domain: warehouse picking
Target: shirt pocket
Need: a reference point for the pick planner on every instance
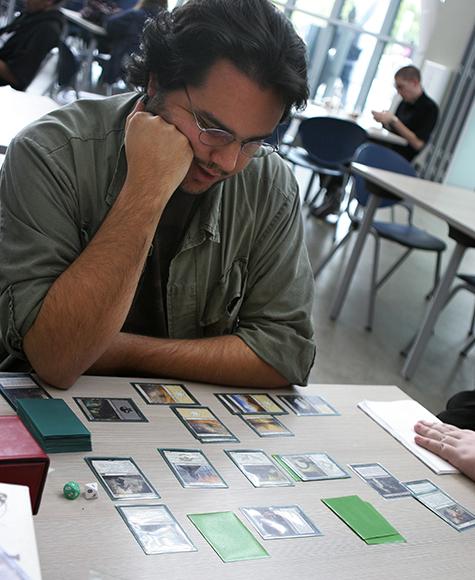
(223, 303)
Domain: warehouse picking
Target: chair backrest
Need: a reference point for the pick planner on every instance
(382, 158)
(330, 141)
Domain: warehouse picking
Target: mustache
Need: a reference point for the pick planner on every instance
(211, 167)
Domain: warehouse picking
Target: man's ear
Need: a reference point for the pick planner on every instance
(152, 85)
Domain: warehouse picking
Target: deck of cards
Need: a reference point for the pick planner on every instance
(259, 468)
(203, 424)
(311, 466)
(110, 409)
(308, 405)
(245, 403)
(192, 468)
(285, 521)
(165, 394)
(380, 480)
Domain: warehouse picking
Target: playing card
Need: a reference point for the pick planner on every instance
(441, 504)
(121, 478)
(266, 425)
(203, 424)
(259, 469)
(287, 521)
(313, 466)
(155, 529)
(110, 409)
(261, 403)
(380, 479)
(15, 386)
(308, 405)
(192, 468)
(165, 394)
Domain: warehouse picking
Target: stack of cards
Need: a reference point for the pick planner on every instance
(242, 403)
(441, 504)
(266, 426)
(121, 478)
(54, 425)
(380, 479)
(259, 469)
(110, 409)
(15, 386)
(192, 468)
(165, 394)
(311, 466)
(308, 405)
(203, 424)
(155, 529)
(228, 536)
(364, 519)
(284, 521)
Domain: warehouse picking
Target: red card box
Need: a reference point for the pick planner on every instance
(22, 461)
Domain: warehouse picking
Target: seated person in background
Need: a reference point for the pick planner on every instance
(27, 40)
(160, 235)
(415, 116)
(457, 446)
(123, 35)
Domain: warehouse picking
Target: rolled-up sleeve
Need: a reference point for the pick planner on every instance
(275, 319)
(39, 236)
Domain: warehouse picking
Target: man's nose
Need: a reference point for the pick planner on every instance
(226, 157)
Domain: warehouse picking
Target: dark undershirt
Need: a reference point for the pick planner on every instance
(148, 313)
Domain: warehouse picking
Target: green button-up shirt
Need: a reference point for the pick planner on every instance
(242, 267)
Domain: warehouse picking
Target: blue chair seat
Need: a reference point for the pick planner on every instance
(467, 278)
(300, 157)
(409, 236)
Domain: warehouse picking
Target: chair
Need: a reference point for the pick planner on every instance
(406, 235)
(328, 148)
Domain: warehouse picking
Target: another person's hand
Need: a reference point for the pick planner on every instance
(384, 117)
(457, 446)
(158, 155)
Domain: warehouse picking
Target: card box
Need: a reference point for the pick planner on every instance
(22, 461)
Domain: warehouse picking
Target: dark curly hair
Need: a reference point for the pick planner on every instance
(181, 46)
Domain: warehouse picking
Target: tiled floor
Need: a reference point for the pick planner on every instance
(347, 353)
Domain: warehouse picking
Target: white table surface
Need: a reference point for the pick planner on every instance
(84, 539)
(374, 130)
(19, 109)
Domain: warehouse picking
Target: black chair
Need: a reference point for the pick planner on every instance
(406, 235)
(328, 148)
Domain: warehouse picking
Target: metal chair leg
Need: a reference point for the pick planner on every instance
(330, 254)
(467, 346)
(436, 275)
(373, 289)
(309, 187)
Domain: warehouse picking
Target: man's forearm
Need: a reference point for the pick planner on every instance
(225, 360)
(404, 131)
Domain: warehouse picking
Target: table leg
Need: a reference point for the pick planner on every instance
(371, 208)
(435, 306)
(89, 60)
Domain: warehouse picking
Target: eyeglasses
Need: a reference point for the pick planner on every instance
(213, 137)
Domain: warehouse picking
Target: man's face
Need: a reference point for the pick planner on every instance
(227, 100)
(407, 89)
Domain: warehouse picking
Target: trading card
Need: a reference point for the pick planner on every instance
(380, 480)
(203, 424)
(192, 468)
(165, 394)
(110, 409)
(441, 504)
(121, 478)
(239, 403)
(314, 466)
(285, 521)
(155, 529)
(308, 405)
(259, 468)
(15, 386)
(266, 426)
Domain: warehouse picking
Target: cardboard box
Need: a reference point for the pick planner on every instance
(22, 461)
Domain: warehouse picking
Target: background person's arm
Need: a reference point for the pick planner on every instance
(86, 306)
(6, 73)
(390, 121)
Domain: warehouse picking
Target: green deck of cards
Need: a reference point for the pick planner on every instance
(364, 519)
(228, 536)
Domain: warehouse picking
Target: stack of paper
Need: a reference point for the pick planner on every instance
(399, 418)
(54, 425)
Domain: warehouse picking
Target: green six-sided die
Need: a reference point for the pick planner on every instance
(71, 490)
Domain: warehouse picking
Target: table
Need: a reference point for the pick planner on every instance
(95, 32)
(87, 539)
(377, 133)
(19, 109)
(454, 205)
